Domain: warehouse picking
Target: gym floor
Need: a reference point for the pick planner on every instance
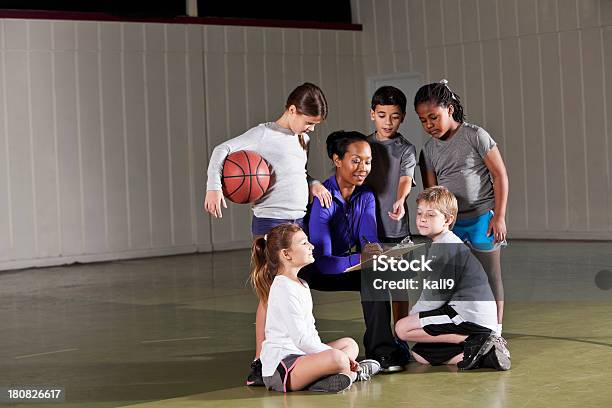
(179, 332)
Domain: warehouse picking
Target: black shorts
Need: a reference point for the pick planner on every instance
(444, 320)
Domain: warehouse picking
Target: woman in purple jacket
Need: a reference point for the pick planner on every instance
(345, 233)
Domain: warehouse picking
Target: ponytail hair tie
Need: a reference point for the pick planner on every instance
(444, 82)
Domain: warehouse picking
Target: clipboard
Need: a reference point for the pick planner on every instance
(394, 251)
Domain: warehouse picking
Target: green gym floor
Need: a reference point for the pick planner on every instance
(179, 332)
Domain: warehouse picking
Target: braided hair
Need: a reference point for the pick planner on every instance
(440, 94)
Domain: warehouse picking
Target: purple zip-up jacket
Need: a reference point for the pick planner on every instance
(334, 231)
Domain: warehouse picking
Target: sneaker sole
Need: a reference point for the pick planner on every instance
(484, 349)
(333, 383)
(392, 369)
(503, 361)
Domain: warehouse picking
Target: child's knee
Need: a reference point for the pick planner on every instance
(339, 360)
(401, 328)
(352, 344)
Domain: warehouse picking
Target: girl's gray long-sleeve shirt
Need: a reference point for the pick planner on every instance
(287, 195)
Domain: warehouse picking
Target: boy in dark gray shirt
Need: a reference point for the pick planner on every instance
(393, 163)
(392, 174)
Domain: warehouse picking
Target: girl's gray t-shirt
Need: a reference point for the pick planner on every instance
(459, 166)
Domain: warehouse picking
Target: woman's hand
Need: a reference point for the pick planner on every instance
(213, 201)
(498, 226)
(369, 250)
(319, 191)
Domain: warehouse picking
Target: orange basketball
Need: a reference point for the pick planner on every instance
(246, 177)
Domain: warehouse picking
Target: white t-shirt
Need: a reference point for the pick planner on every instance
(471, 296)
(290, 325)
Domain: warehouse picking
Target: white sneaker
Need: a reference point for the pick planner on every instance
(367, 369)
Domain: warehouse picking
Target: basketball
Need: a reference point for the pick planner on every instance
(246, 177)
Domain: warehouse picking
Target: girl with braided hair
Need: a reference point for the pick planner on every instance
(465, 159)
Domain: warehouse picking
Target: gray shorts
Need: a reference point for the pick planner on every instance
(278, 380)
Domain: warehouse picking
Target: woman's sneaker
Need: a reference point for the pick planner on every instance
(333, 383)
(255, 378)
(393, 362)
(367, 369)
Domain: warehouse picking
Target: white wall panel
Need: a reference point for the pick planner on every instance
(92, 168)
(547, 16)
(383, 21)
(68, 146)
(555, 167)
(435, 32)
(507, 18)
(20, 152)
(6, 237)
(568, 14)
(487, 16)
(436, 61)
(573, 116)
(113, 136)
(493, 109)
(594, 129)
(473, 95)
(535, 157)
(451, 19)
(514, 154)
(178, 130)
(399, 25)
(470, 23)
(527, 16)
(589, 12)
(416, 23)
(44, 153)
(158, 146)
(135, 137)
(197, 137)
(607, 88)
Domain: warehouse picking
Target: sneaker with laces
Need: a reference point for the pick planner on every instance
(255, 378)
(332, 383)
(474, 348)
(498, 357)
(367, 369)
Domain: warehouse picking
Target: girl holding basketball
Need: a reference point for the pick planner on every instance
(465, 159)
(284, 145)
(293, 356)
